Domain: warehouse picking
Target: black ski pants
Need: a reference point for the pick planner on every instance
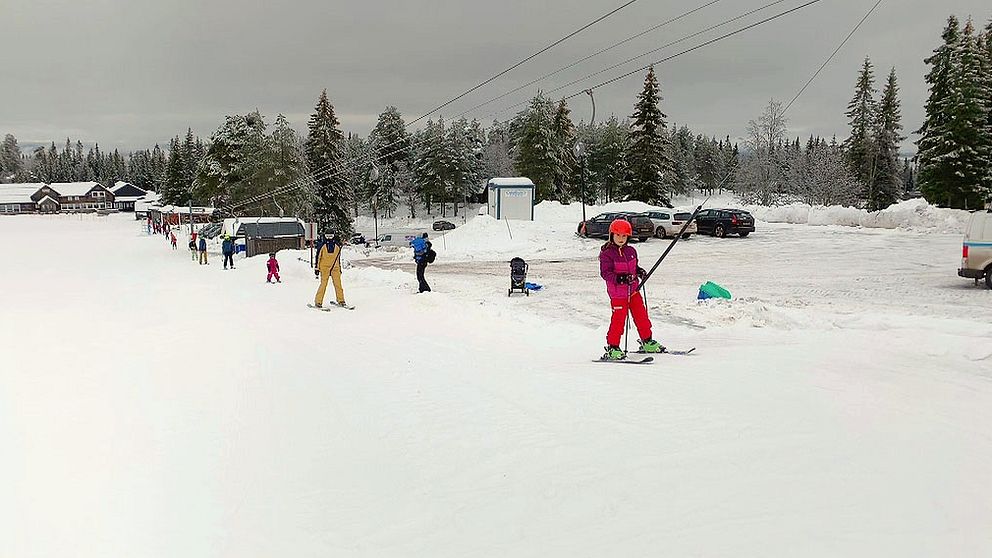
(228, 257)
(421, 266)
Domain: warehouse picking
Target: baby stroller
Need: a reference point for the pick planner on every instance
(518, 277)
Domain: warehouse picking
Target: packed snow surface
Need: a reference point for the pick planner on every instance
(839, 405)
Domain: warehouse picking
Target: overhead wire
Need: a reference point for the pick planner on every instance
(318, 175)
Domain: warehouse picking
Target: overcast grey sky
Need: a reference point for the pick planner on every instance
(130, 73)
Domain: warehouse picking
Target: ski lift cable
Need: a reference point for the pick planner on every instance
(831, 57)
(329, 171)
(525, 60)
(593, 55)
(362, 160)
(511, 68)
(697, 47)
(643, 54)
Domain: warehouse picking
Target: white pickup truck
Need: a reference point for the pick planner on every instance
(976, 252)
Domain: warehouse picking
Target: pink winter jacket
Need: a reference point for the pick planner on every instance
(615, 260)
(273, 265)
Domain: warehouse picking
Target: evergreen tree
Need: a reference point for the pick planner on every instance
(566, 166)
(652, 176)
(608, 170)
(887, 184)
(430, 163)
(230, 171)
(933, 146)
(534, 146)
(463, 144)
(175, 190)
(496, 160)
(286, 161)
(158, 165)
(323, 150)
(390, 143)
(861, 147)
(956, 150)
(10, 155)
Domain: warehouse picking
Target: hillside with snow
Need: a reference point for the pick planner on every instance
(836, 406)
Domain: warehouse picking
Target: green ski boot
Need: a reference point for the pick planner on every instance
(651, 346)
(614, 353)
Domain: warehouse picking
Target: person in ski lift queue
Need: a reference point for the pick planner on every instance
(421, 247)
(618, 267)
(328, 266)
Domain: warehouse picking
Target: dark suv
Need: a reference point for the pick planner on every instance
(721, 222)
(599, 225)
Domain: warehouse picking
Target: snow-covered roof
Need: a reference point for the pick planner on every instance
(73, 188)
(180, 209)
(19, 193)
(233, 225)
(514, 181)
(120, 185)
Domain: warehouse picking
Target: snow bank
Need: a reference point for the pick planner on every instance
(913, 215)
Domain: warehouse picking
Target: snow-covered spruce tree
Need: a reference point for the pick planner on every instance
(534, 146)
(761, 175)
(10, 156)
(607, 162)
(391, 144)
(174, 189)
(652, 175)
(566, 166)
(430, 166)
(158, 167)
(956, 156)
(496, 160)
(285, 159)
(463, 146)
(934, 174)
(230, 170)
(862, 114)
(323, 151)
(355, 173)
(887, 184)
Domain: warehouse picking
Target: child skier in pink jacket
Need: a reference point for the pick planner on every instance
(273, 266)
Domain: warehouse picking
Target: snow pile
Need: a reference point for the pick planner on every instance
(484, 237)
(912, 215)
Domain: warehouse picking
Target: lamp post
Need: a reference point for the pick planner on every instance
(373, 178)
(580, 154)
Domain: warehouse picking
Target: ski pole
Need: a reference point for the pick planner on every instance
(626, 332)
(674, 241)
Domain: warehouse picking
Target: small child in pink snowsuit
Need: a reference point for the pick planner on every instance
(273, 266)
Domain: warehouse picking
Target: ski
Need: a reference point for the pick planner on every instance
(331, 307)
(645, 360)
(674, 352)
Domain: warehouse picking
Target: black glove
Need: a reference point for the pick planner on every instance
(316, 272)
(641, 273)
(623, 278)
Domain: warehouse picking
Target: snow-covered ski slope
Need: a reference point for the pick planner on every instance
(838, 406)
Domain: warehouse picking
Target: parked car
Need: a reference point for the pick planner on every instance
(599, 226)
(721, 222)
(443, 225)
(976, 251)
(668, 223)
(357, 238)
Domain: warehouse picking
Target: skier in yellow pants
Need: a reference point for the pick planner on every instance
(328, 266)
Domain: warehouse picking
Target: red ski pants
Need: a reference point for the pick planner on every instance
(271, 275)
(619, 319)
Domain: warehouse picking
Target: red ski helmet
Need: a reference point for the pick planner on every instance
(621, 226)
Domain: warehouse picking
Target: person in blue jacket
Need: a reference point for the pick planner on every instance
(421, 249)
(203, 251)
(227, 247)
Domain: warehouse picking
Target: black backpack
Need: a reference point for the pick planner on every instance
(431, 256)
